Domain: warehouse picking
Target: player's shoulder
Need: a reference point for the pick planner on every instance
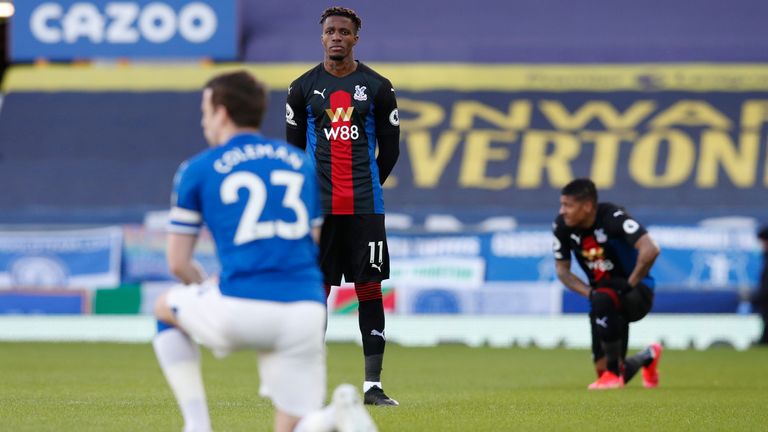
(372, 74)
(251, 142)
(296, 157)
(558, 225)
(192, 171)
(197, 161)
(307, 77)
(608, 210)
(616, 219)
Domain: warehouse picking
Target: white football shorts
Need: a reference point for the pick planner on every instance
(289, 339)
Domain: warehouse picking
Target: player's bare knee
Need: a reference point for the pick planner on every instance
(163, 311)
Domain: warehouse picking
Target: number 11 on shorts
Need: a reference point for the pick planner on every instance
(373, 245)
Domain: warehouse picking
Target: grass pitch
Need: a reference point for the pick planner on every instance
(116, 387)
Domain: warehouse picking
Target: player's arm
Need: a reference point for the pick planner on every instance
(296, 117)
(562, 254)
(180, 260)
(647, 251)
(573, 282)
(312, 201)
(184, 223)
(389, 152)
(621, 223)
(387, 130)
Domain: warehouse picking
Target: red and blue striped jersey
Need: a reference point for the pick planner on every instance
(340, 121)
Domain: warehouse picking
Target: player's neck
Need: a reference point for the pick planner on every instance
(340, 68)
(589, 222)
(229, 133)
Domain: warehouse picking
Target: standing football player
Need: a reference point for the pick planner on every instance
(340, 111)
(258, 198)
(616, 253)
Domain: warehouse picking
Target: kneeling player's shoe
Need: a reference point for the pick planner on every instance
(376, 396)
(651, 372)
(351, 415)
(607, 381)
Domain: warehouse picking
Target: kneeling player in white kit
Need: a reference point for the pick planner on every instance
(259, 200)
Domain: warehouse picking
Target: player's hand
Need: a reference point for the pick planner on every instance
(621, 286)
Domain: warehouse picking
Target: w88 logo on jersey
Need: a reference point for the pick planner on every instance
(344, 133)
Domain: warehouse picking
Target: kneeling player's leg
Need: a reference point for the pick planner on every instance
(345, 413)
(598, 355)
(291, 360)
(637, 303)
(642, 359)
(179, 358)
(293, 375)
(610, 325)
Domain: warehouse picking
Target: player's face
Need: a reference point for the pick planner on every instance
(210, 120)
(576, 213)
(338, 37)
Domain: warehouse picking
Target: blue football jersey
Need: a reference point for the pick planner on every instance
(259, 199)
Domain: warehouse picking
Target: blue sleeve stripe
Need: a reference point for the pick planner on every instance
(370, 131)
(311, 136)
(163, 326)
(174, 227)
(186, 216)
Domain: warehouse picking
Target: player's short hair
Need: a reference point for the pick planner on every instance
(343, 12)
(581, 189)
(244, 97)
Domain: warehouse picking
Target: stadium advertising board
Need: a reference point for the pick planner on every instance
(175, 29)
(516, 150)
(458, 273)
(491, 299)
(145, 254)
(692, 258)
(60, 259)
(67, 302)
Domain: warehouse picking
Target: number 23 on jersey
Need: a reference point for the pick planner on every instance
(251, 227)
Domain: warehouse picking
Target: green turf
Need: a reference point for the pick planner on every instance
(114, 387)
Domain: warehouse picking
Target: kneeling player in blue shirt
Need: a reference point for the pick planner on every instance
(258, 198)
